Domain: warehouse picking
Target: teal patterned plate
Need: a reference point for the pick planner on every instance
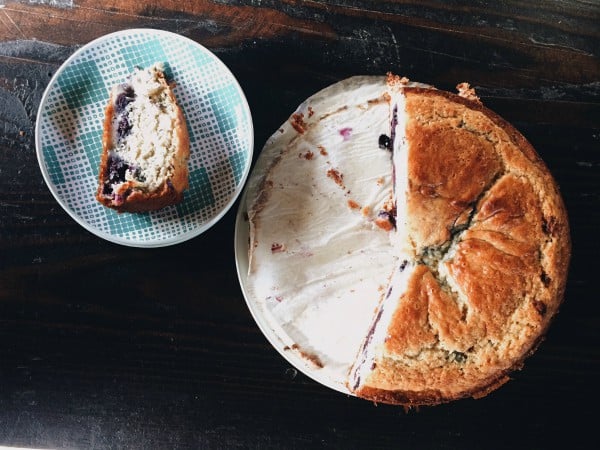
(68, 135)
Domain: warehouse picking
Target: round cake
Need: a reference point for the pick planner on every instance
(407, 240)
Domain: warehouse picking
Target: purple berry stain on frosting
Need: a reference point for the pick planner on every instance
(346, 133)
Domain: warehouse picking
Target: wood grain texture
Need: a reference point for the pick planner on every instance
(105, 346)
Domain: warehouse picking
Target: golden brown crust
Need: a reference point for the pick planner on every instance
(492, 246)
(168, 193)
(411, 339)
(426, 397)
(442, 188)
(140, 201)
(106, 144)
(180, 178)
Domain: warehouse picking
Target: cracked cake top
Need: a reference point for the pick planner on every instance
(487, 273)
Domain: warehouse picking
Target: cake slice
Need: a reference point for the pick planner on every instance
(145, 145)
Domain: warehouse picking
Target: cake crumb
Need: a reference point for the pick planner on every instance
(308, 356)
(310, 111)
(297, 122)
(466, 91)
(322, 150)
(389, 205)
(336, 176)
(396, 80)
(308, 155)
(384, 224)
(353, 205)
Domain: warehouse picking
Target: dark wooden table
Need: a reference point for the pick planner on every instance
(104, 346)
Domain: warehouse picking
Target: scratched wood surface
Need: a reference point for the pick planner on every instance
(103, 346)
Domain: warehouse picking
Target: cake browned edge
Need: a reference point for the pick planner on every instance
(170, 192)
(560, 266)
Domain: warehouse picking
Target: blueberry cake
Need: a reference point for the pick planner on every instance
(407, 242)
(144, 164)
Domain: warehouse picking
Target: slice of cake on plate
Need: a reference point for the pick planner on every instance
(145, 145)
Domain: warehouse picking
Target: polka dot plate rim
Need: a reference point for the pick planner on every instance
(68, 135)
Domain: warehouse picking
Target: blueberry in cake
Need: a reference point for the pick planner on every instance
(145, 145)
(430, 266)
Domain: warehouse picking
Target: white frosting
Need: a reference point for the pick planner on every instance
(319, 263)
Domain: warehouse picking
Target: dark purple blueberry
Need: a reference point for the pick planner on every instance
(121, 102)
(117, 168)
(123, 127)
(137, 174)
(385, 143)
(124, 99)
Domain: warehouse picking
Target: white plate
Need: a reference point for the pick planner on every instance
(69, 135)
